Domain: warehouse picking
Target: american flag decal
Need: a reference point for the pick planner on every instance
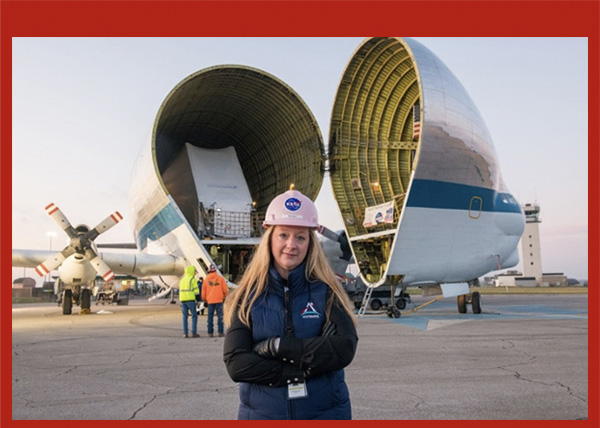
(416, 121)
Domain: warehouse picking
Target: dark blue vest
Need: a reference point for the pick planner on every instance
(328, 396)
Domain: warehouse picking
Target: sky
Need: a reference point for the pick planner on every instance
(84, 107)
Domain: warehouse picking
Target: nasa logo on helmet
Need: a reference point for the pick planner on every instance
(292, 204)
(291, 208)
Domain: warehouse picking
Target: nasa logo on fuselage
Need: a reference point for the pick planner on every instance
(292, 204)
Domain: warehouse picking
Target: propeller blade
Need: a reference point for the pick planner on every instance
(340, 238)
(49, 265)
(53, 262)
(60, 219)
(105, 224)
(328, 233)
(98, 264)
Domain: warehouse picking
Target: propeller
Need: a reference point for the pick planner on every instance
(340, 238)
(81, 242)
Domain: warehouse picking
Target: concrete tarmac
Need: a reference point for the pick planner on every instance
(524, 358)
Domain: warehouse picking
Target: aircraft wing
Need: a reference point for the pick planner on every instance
(134, 264)
(237, 241)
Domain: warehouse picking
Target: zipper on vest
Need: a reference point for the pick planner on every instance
(289, 332)
(289, 326)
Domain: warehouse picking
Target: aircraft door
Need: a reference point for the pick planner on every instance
(475, 207)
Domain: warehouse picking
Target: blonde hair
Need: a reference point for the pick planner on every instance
(255, 279)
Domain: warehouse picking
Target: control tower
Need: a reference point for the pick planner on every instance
(530, 244)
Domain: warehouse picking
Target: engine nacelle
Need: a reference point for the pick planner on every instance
(76, 270)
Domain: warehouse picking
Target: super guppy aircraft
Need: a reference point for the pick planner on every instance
(412, 167)
(405, 138)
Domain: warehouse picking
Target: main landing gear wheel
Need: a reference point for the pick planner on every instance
(67, 302)
(393, 312)
(476, 302)
(474, 299)
(462, 303)
(403, 299)
(86, 301)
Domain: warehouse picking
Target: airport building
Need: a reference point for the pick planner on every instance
(517, 279)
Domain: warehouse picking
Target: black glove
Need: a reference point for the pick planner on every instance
(267, 348)
(329, 329)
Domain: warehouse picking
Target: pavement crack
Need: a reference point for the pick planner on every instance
(571, 393)
(147, 403)
(507, 344)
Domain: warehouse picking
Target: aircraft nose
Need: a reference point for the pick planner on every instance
(512, 224)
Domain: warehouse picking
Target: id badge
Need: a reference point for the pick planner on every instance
(297, 390)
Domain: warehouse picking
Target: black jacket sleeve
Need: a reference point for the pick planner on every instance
(245, 365)
(322, 354)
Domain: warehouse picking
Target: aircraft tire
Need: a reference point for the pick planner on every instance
(86, 299)
(462, 303)
(375, 304)
(476, 302)
(393, 312)
(67, 302)
(401, 303)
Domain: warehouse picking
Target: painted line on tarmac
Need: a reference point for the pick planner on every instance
(427, 322)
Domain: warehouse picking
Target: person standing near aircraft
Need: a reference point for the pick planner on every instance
(188, 295)
(291, 327)
(214, 291)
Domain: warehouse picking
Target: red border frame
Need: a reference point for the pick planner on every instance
(539, 18)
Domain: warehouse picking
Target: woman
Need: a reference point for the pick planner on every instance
(291, 327)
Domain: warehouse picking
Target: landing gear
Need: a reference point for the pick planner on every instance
(393, 312)
(476, 302)
(67, 301)
(474, 299)
(403, 299)
(86, 300)
(462, 303)
(76, 296)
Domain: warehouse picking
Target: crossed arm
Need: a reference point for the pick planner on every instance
(294, 359)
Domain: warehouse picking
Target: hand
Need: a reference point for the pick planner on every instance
(267, 348)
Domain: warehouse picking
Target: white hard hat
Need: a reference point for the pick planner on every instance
(291, 208)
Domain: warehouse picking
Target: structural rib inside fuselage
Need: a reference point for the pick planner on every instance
(412, 163)
(270, 130)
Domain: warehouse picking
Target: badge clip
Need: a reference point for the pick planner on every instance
(297, 390)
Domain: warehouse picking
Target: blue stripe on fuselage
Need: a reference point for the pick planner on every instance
(452, 196)
(162, 223)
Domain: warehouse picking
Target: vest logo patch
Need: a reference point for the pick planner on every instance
(310, 311)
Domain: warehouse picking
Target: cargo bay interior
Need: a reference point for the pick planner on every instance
(373, 145)
(260, 128)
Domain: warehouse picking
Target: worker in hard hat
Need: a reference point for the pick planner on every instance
(214, 291)
(189, 293)
(291, 327)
